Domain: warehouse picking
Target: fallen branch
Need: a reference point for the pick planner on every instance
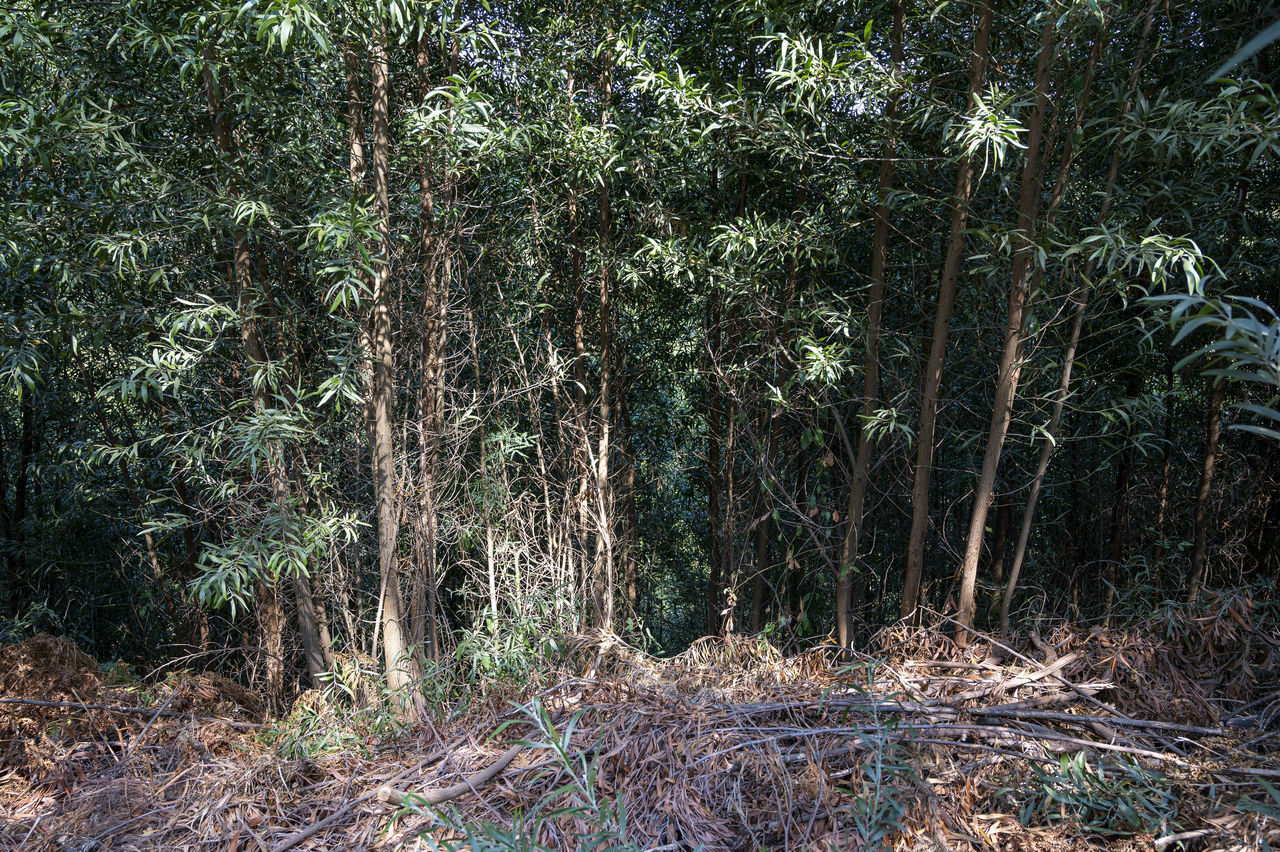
(1013, 682)
(1162, 842)
(1080, 719)
(387, 793)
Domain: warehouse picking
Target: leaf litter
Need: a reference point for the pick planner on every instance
(1079, 739)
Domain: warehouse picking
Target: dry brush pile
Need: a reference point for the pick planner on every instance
(1163, 739)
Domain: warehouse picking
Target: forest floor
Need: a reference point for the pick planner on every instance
(1164, 738)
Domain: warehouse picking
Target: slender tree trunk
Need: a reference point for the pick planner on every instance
(312, 623)
(268, 606)
(861, 474)
(311, 628)
(759, 583)
(1046, 451)
(559, 534)
(715, 584)
(1196, 576)
(941, 326)
(728, 560)
(629, 502)
(712, 314)
(772, 428)
(581, 413)
(604, 581)
(431, 354)
(355, 117)
(759, 577)
(402, 668)
(534, 397)
(1010, 359)
(1003, 512)
(729, 566)
(1166, 467)
(356, 175)
(10, 591)
(1119, 516)
(1081, 296)
(534, 400)
(490, 563)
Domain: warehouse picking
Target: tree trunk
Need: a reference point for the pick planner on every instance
(1010, 358)
(941, 326)
(1120, 507)
(1196, 576)
(861, 474)
(434, 247)
(402, 668)
(9, 592)
(1003, 511)
(491, 568)
(728, 560)
(1081, 296)
(604, 492)
(1046, 451)
(581, 412)
(759, 577)
(772, 427)
(715, 583)
(1166, 467)
(630, 550)
(268, 607)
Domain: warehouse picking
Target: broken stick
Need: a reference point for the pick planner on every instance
(387, 793)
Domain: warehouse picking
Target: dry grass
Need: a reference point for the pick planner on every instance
(1115, 740)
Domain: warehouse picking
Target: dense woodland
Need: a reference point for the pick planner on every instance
(437, 332)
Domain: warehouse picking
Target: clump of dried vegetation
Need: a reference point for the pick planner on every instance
(1164, 738)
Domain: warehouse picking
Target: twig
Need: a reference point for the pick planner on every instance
(133, 746)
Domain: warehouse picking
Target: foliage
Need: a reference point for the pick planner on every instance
(1247, 351)
(1121, 799)
(583, 819)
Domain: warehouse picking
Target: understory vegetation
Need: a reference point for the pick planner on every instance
(389, 374)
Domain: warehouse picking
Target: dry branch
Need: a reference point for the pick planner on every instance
(387, 793)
